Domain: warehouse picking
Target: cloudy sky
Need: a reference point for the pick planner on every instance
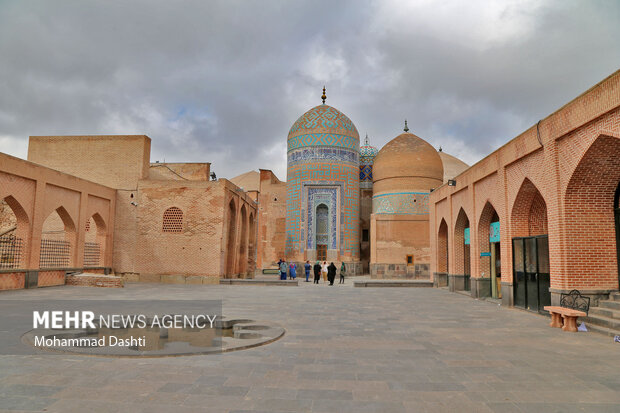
(223, 81)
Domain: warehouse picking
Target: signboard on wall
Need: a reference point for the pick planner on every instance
(494, 232)
(466, 236)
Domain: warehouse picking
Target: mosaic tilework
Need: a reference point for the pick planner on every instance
(325, 174)
(324, 116)
(322, 139)
(317, 196)
(414, 203)
(366, 173)
(367, 154)
(310, 154)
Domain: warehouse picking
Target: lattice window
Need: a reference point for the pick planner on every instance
(173, 220)
(91, 254)
(11, 248)
(54, 253)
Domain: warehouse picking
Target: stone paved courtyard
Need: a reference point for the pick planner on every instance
(345, 350)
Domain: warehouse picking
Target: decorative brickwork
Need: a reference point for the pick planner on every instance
(11, 249)
(415, 203)
(529, 213)
(590, 249)
(92, 254)
(172, 220)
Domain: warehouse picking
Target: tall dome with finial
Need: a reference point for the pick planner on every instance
(322, 205)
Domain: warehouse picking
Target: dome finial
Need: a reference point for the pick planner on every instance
(439, 148)
(366, 140)
(323, 97)
(406, 127)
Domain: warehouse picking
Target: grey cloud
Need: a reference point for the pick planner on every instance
(222, 81)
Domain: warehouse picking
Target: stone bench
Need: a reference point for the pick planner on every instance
(564, 317)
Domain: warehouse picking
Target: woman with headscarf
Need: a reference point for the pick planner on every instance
(343, 271)
(331, 273)
(317, 272)
(293, 271)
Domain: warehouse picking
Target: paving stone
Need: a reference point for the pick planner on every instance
(345, 350)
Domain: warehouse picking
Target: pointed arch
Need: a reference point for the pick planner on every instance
(487, 216)
(243, 243)
(14, 234)
(529, 212)
(590, 217)
(461, 263)
(252, 245)
(442, 247)
(95, 241)
(230, 241)
(58, 237)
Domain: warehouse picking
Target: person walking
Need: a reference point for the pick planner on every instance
(343, 271)
(317, 272)
(324, 271)
(307, 267)
(331, 270)
(293, 271)
(283, 270)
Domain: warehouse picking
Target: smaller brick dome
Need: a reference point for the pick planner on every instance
(405, 163)
(452, 166)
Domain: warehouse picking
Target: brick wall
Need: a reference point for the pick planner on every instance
(557, 178)
(271, 220)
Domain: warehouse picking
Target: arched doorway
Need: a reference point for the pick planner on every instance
(442, 247)
(490, 253)
(243, 244)
(530, 249)
(462, 258)
(591, 255)
(230, 242)
(322, 231)
(57, 240)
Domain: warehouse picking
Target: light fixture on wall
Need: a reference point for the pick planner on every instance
(451, 182)
(133, 203)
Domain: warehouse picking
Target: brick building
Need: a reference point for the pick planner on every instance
(96, 203)
(539, 216)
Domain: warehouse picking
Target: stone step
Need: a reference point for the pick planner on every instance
(605, 312)
(614, 305)
(602, 321)
(394, 283)
(614, 296)
(602, 330)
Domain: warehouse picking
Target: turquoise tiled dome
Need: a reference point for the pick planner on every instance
(367, 153)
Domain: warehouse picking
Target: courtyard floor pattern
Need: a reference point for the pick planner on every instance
(345, 350)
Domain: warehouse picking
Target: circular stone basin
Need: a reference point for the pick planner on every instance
(227, 335)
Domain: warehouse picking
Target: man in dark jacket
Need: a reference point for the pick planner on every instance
(331, 273)
(317, 272)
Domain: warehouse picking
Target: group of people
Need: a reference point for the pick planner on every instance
(328, 271)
